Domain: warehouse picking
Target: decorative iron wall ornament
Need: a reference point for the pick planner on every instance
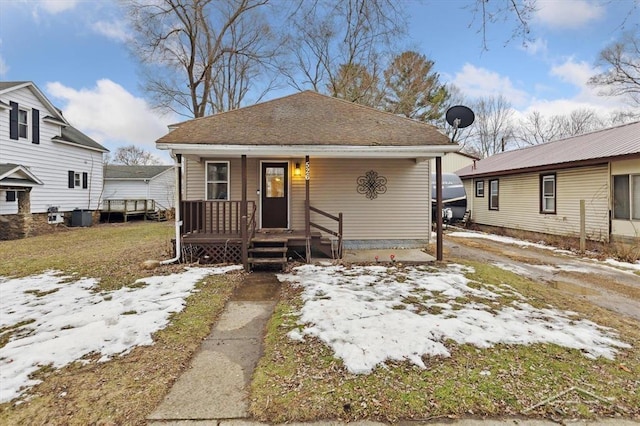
(372, 184)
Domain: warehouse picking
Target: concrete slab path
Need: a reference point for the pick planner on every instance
(215, 386)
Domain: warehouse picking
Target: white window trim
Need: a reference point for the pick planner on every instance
(207, 181)
(27, 124)
(479, 184)
(546, 178)
(77, 180)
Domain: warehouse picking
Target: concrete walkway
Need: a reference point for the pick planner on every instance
(214, 390)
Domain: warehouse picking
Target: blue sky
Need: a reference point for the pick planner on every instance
(75, 52)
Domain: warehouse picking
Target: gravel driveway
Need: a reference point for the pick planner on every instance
(611, 287)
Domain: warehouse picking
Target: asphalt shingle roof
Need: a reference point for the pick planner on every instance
(619, 141)
(306, 118)
(113, 171)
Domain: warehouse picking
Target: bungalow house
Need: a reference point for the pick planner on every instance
(130, 190)
(48, 169)
(307, 170)
(541, 188)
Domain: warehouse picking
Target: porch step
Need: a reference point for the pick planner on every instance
(268, 251)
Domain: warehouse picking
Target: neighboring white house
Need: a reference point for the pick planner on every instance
(155, 183)
(47, 167)
(541, 188)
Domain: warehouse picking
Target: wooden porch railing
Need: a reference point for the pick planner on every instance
(337, 233)
(216, 217)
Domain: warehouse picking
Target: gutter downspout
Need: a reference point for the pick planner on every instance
(178, 164)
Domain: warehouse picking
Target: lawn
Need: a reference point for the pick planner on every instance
(447, 341)
(125, 388)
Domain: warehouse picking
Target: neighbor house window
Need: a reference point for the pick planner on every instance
(493, 194)
(479, 188)
(23, 123)
(626, 197)
(10, 196)
(78, 180)
(548, 193)
(217, 180)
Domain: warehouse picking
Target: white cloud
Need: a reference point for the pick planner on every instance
(110, 114)
(57, 6)
(537, 46)
(477, 82)
(568, 13)
(115, 30)
(576, 73)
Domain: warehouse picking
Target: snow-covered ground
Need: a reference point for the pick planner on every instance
(521, 243)
(59, 319)
(371, 314)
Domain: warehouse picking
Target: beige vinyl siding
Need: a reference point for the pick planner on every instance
(626, 228)
(519, 203)
(402, 213)
(452, 162)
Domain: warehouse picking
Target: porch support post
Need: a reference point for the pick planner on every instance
(307, 210)
(439, 208)
(244, 232)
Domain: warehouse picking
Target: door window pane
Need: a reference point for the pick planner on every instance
(493, 195)
(274, 179)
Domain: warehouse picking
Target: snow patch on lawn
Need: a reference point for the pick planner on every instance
(372, 314)
(69, 319)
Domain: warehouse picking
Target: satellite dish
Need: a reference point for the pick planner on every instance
(460, 116)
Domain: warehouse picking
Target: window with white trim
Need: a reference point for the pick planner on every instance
(626, 197)
(217, 175)
(493, 194)
(23, 123)
(548, 193)
(479, 188)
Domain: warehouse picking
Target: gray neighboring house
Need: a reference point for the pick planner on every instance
(153, 183)
(539, 188)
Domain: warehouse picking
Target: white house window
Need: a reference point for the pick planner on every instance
(77, 182)
(493, 194)
(480, 188)
(548, 193)
(23, 123)
(217, 180)
(626, 197)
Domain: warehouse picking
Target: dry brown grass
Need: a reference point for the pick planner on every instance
(125, 389)
(304, 382)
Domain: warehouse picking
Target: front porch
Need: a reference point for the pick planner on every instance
(226, 232)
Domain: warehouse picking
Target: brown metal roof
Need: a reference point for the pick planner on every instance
(305, 118)
(590, 148)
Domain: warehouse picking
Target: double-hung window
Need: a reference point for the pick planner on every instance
(548, 193)
(493, 194)
(217, 180)
(626, 197)
(23, 123)
(479, 188)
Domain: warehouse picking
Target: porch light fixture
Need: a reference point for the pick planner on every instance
(296, 171)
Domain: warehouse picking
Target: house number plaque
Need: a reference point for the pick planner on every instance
(372, 184)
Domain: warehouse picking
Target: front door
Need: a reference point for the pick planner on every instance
(275, 195)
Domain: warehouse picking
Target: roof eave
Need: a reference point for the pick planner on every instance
(329, 151)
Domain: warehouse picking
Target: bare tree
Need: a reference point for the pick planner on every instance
(492, 130)
(622, 63)
(192, 49)
(330, 36)
(132, 155)
(516, 13)
(413, 89)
